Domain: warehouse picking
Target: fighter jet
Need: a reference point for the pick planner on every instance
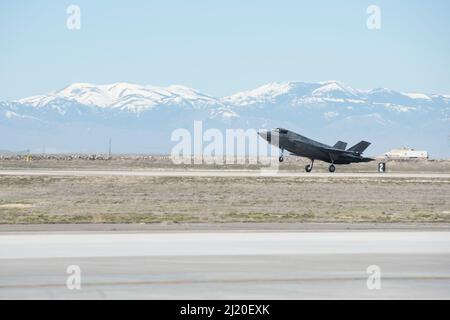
(302, 146)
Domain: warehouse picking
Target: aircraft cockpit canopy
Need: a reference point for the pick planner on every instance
(281, 131)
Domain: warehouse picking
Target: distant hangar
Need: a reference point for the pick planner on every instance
(406, 153)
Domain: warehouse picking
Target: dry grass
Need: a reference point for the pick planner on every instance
(291, 163)
(35, 199)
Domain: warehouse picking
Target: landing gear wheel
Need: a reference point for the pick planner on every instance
(332, 168)
(281, 159)
(308, 168)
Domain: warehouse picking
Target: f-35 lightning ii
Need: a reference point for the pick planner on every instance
(302, 146)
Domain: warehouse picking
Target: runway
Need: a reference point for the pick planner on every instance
(223, 265)
(217, 173)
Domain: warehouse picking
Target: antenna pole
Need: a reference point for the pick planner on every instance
(109, 149)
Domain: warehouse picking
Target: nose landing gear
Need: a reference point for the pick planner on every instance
(281, 158)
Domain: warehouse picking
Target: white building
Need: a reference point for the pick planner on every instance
(407, 153)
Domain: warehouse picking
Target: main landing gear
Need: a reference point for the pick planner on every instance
(331, 168)
(309, 167)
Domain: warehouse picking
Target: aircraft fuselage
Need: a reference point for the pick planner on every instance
(305, 147)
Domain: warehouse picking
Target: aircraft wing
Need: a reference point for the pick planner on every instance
(331, 150)
(323, 150)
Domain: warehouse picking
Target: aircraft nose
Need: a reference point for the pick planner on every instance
(265, 134)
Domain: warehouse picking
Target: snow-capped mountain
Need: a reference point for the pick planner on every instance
(123, 96)
(273, 92)
(82, 116)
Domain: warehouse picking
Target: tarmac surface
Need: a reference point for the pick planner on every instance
(225, 261)
(215, 173)
(226, 265)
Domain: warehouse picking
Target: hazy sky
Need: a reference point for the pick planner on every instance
(221, 47)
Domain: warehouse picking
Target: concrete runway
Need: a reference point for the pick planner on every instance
(215, 173)
(222, 265)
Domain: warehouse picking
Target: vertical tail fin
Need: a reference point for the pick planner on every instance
(360, 147)
(340, 145)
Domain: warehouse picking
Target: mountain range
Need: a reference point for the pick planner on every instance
(140, 119)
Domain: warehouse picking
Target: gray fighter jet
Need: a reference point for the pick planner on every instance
(302, 146)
